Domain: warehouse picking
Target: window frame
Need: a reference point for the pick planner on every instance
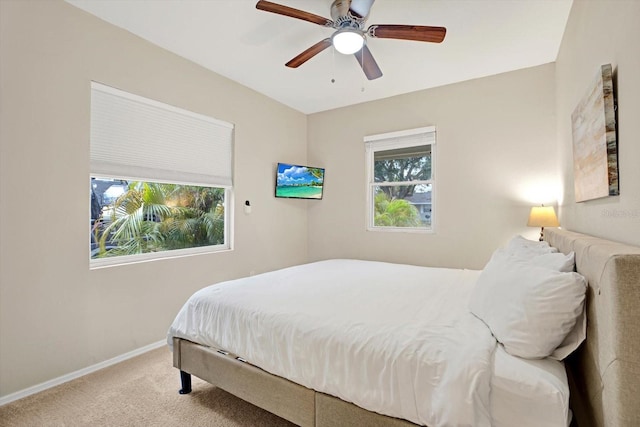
(397, 140)
(142, 173)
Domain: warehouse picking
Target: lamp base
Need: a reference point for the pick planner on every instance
(541, 234)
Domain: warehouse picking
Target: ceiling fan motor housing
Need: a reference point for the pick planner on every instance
(342, 16)
(339, 8)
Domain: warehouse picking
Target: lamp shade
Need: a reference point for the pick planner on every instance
(347, 40)
(543, 216)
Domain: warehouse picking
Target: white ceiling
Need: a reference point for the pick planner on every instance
(249, 46)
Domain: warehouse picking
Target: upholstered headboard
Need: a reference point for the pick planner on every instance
(604, 373)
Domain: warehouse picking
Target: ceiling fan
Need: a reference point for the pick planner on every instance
(348, 19)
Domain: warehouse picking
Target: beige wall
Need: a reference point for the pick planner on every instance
(495, 154)
(602, 32)
(57, 316)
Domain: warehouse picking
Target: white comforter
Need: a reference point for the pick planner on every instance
(394, 339)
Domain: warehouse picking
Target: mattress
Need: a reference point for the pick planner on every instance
(393, 339)
(528, 393)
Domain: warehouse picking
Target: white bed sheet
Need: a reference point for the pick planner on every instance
(414, 353)
(528, 393)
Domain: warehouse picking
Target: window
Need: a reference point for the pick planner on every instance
(160, 179)
(401, 180)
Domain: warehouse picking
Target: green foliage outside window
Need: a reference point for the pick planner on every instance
(154, 217)
(395, 212)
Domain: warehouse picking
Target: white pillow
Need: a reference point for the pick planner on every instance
(530, 309)
(574, 339)
(564, 263)
(559, 262)
(556, 261)
(525, 247)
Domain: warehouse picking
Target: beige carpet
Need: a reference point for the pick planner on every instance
(142, 391)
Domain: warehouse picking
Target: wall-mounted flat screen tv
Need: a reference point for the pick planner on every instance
(299, 182)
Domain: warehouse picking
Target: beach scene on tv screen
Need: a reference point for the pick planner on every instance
(299, 181)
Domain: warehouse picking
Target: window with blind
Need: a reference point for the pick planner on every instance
(161, 179)
(400, 179)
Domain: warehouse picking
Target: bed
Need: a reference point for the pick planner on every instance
(387, 386)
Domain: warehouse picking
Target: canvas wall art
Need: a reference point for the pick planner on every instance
(595, 147)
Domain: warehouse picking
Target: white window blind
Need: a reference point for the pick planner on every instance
(408, 138)
(138, 138)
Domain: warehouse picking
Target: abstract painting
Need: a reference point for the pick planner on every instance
(595, 147)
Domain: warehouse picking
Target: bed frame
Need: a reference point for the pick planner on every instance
(604, 373)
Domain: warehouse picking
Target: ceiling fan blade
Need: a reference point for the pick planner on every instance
(368, 64)
(361, 8)
(293, 13)
(420, 33)
(309, 53)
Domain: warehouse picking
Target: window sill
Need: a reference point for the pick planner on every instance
(99, 263)
(402, 230)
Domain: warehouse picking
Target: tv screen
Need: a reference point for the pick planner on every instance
(299, 182)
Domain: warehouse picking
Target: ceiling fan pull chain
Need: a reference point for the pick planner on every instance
(333, 64)
(362, 66)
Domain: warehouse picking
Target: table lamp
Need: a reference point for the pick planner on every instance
(543, 216)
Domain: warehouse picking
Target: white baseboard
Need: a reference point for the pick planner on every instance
(77, 374)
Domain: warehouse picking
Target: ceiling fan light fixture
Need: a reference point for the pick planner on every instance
(348, 40)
